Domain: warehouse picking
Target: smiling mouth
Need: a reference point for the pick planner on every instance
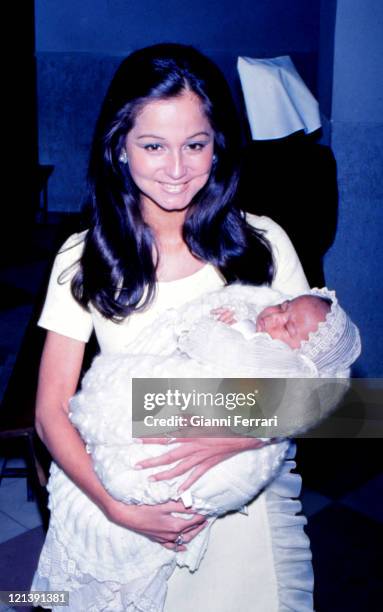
(173, 187)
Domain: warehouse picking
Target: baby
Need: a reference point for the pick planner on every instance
(269, 337)
(306, 337)
(291, 321)
(296, 341)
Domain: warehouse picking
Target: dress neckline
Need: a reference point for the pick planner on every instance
(189, 277)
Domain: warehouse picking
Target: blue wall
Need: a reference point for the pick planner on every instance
(326, 64)
(337, 46)
(79, 45)
(354, 264)
(102, 26)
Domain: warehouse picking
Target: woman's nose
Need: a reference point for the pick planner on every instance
(175, 166)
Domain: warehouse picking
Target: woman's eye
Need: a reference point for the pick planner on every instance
(196, 146)
(152, 147)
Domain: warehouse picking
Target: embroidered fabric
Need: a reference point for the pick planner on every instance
(80, 535)
(134, 570)
(60, 571)
(106, 429)
(231, 354)
(336, 344)
(65, 566)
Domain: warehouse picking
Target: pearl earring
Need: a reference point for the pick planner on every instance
(123, 156)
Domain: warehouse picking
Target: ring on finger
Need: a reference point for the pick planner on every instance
(179, 541)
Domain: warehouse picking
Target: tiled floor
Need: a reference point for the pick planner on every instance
(342, 496)
(17, 515)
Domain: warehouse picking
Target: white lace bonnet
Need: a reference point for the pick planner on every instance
(336, 344)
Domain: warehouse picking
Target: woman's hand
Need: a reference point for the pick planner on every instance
(196, 454)
(158, 522)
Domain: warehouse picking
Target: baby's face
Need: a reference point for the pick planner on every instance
(293, 320)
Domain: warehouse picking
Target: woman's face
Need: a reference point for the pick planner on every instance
(170, 151)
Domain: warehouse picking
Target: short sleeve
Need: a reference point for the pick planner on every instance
(289, 275)
(61, 313)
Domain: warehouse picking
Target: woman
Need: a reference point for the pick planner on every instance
(165, 229)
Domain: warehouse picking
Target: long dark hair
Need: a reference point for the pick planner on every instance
(116, 273)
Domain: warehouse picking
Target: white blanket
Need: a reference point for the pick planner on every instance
(183, 344)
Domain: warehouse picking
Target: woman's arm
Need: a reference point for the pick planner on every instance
(59, 373)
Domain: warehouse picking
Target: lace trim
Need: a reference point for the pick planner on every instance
(57, 571)
(335, 345)
(290, 544)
